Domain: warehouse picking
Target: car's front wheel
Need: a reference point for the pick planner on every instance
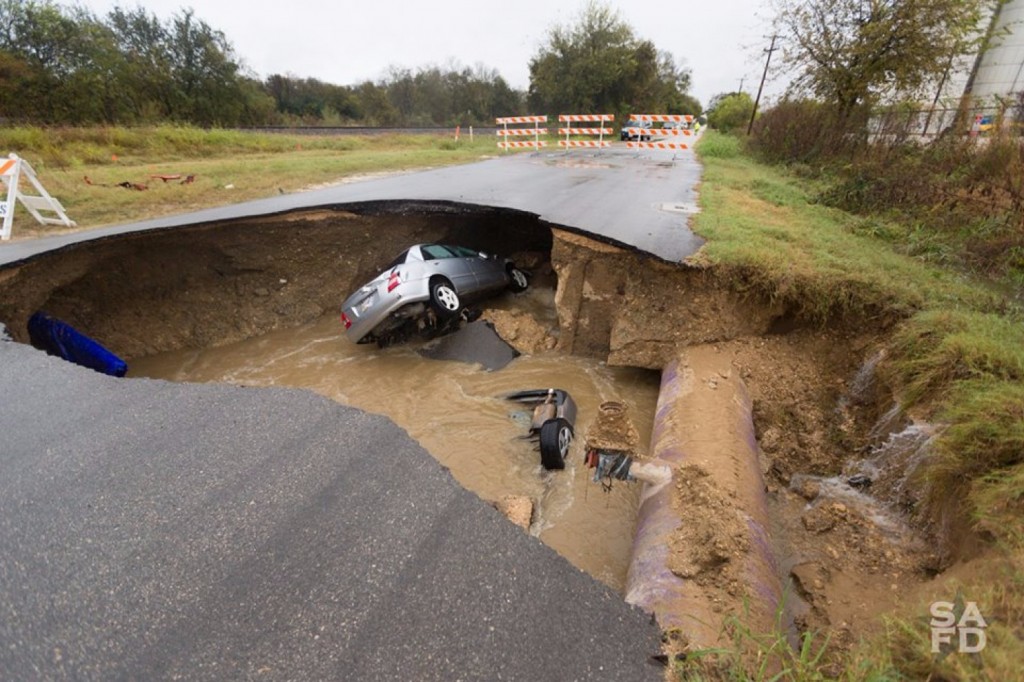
(517, 281)
(555, 438)
(444, 299)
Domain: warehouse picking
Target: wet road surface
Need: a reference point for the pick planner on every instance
(638, 199)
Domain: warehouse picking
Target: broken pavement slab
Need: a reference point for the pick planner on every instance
(474, 343)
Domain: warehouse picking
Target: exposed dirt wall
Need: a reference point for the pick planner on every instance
(637, 311)
(211, 284)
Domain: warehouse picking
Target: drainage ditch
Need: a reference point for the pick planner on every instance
(254, 302)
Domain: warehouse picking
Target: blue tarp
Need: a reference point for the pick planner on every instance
(61, 339)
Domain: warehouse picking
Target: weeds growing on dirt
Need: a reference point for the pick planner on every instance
(749, 656)
(957, 351)
(766, 227)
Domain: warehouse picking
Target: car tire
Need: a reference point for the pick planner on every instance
(444, 299)
(517, 281)
(555, 438)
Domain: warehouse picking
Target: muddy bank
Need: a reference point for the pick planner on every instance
(616, 304)
(844, 559)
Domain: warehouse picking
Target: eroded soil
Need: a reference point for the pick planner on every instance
(844, 558)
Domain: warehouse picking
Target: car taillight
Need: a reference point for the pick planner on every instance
(344, 319)
(393, 281)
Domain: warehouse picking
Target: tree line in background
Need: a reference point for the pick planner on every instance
(68, 66)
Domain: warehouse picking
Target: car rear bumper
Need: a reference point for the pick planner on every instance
(363, 323)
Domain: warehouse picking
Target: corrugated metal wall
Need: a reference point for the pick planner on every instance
(1000, 71)
(986, 83)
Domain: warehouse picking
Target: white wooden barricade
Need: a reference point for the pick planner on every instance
(505, 132)
(11, 171)
(664, 132)
(584, 118)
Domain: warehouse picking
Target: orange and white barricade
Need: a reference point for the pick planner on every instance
(568, 131)
(11, 172)
(536, 131)
(662, 132)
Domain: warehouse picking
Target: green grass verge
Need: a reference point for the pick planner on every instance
(956, 354)
(765, 226)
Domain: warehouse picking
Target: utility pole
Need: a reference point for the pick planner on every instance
(741, 84)
(760, 88)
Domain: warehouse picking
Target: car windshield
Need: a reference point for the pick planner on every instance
(463, 252)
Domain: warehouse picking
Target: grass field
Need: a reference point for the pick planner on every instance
(228, 166)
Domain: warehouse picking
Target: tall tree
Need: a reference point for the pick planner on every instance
(147, 78)
(599, 65)
(49, 48)
(730, 110)
(853, 52)
(205, 71)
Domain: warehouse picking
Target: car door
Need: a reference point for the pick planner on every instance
(444, 261)
(489, 271)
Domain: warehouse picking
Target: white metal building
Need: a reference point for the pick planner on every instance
(990, 82)
(999, 71)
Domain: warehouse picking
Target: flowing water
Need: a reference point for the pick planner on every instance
(456, 412)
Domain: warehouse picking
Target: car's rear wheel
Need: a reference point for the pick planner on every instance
(517, 280)
(555, 438)
(444, 299)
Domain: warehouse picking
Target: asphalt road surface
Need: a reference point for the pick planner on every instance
(639, 199)
(151, 530)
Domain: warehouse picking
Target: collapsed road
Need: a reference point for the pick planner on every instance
(159, 530)
(767, 415)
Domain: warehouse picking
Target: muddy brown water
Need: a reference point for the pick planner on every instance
(456, 412)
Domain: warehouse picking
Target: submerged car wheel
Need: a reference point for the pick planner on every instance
(444, 299)
(517, 280)
(555, 438)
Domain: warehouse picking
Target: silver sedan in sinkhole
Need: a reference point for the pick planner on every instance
(423, 291)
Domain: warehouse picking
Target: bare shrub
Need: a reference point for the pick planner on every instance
(959, 197)
(802, 131)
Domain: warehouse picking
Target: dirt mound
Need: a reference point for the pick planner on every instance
(520, 330)
(713, 539)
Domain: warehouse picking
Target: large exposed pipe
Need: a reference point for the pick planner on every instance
(704, 432)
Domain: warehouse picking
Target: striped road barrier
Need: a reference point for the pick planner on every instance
(656, 145)
(16, 170)
(569, 130)
(663, 118)
(536, 131)
(536, 144)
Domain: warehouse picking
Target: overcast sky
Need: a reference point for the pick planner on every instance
(346, 42)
